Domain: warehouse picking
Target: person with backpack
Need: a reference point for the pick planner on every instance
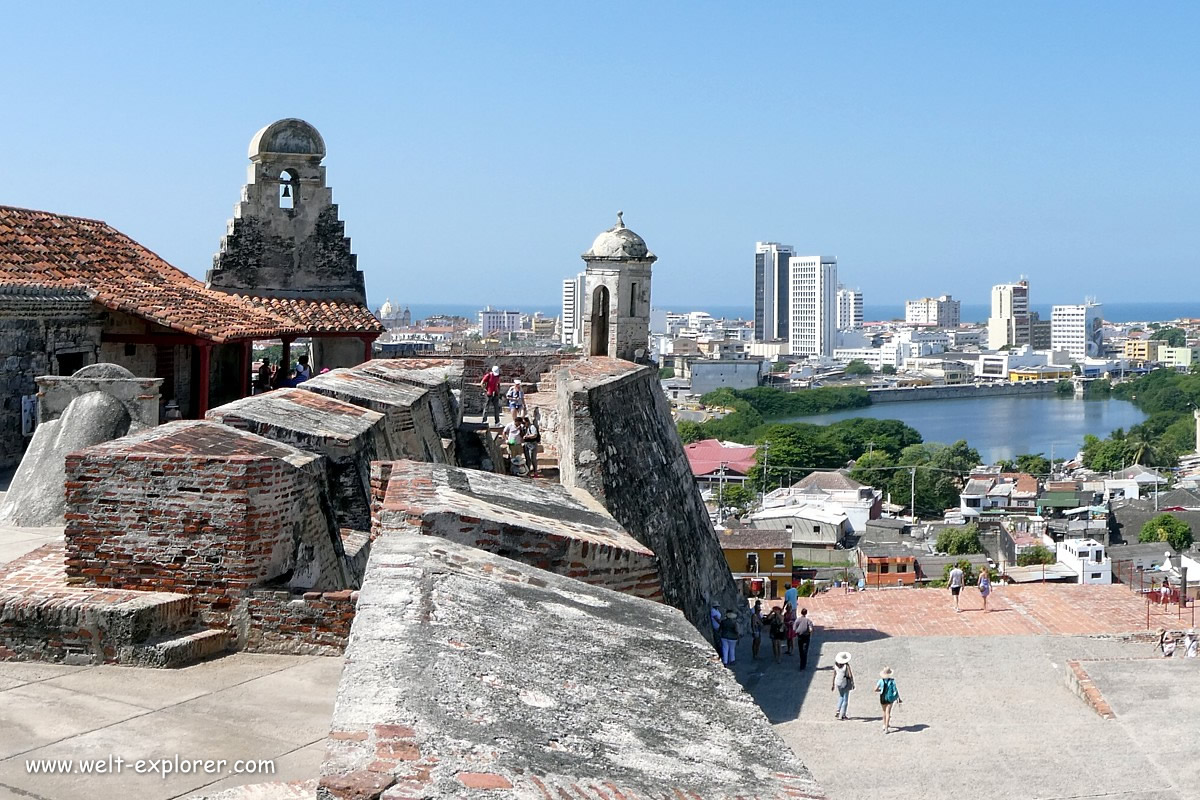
(516, 399)
(843, 683)
(888, 694)
(778, 630)
(530, 440)
(491, 391)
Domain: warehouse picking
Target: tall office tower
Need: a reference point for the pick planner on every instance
(572, 311)
(944, 311)
(813, 330)
(772, 309)
(849, 308)
(1076, 329)
(1008, 326)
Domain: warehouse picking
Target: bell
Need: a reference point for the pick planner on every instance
(287, 190)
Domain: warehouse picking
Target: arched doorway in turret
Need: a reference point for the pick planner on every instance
(598, 345)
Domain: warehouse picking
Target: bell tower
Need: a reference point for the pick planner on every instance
(285, 238)
(616, 301)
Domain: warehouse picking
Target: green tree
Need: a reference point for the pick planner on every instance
(1174, 337)
(1167, 528)
(888, 369)
(780, 366)
(738, 496)
(874, 468)
(1033, 463)
(960, 541)
(689, 431)
(1106, 455)
(1038, 554)
(859, 367)
(795, 451)
(666, 372)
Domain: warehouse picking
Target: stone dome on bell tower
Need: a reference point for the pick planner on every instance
(616, 301)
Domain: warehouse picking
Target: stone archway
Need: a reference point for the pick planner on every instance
(598, 344)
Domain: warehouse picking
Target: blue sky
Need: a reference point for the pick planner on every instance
(476, 149)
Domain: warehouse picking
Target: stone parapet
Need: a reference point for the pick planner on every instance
(439, 622)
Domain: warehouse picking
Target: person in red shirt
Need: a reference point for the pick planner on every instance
(491, 389)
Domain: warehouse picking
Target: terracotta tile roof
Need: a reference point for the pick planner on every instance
(40, 249)
(322, 316)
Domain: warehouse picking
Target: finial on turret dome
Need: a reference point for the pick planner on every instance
(620, 221)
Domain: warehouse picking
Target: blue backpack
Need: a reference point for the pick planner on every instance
(889, 693)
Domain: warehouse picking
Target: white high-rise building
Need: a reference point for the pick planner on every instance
(572, 311)
(1077, 329)
(849, 308)
(493, 320)
(772, 308)
(813, 328)
(943, 311)
(1008, 325)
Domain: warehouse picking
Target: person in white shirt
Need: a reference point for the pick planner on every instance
(956, 584)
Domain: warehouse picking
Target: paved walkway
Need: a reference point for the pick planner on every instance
(16, 542)
(243, 706)
(986, 716)
(1024, 609)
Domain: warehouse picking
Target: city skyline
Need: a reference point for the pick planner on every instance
(428, 148)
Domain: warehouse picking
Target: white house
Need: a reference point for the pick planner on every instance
(1087, 559)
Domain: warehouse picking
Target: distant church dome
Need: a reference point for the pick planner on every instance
(386, 310)
(287, 136)
(618, 242)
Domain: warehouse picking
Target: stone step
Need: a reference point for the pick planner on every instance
(178, 650)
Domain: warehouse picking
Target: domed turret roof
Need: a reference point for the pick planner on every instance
(619, 243)
(386, 310)
(287, 136)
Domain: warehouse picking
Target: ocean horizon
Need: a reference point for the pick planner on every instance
(971, 312)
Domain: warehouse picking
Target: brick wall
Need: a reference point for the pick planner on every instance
(306, 623)
(193, 507)
(527, 367)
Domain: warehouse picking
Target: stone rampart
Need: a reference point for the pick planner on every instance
(574, 691)
(616, 440)
(957, 391)
(348, 436)
(408, 414)
(539, 524)
(202, 509)
(527, 367)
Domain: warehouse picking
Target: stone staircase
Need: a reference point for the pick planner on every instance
(44, 618)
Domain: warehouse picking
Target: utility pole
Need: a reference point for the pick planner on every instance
(766, 448)
(913, 496)
(721, 493)
(870, 447)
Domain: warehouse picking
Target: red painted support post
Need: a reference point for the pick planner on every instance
(244, 365)
(368, 353)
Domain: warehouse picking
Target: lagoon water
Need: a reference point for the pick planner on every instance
(1003, 427)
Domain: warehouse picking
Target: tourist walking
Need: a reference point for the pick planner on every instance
(888, 694)
(530, 440)
(516, 399)
(491, 391)
(1166, 643)
(1191, 644)
(956, 584)
(303, 370)
(756, 626)
(843, 683)
(263, 382)
(714, 617)
(513, 433)
(778, 633)
(804, 628)
(789, 621)
(729, 637)
(791, 597)
(985, 586)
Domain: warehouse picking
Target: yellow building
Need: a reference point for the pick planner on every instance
(1142, 350)
(1040, 373)
(760, 560)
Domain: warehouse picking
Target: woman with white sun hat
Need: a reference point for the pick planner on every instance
(843, 682)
